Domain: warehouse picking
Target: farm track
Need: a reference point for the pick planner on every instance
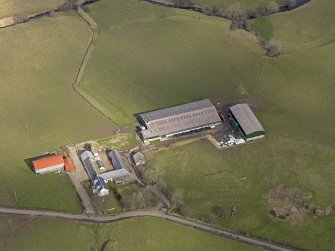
(146, 213)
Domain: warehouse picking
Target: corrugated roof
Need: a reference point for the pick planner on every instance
(179, 118)
(48, 161)
(246, 118)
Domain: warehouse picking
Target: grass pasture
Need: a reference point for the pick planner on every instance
(159, 57)
(144, 62)
(119, 141)
(306, 27)
(264, 27)
(38, 109)
(25, 7)
(147, 234)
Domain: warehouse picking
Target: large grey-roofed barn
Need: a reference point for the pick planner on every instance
(178, 119)
(246, 119)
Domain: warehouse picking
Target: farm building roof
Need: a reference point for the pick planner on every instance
(116, 174)
(69, 165)
(48, 161)
(116, 160)
(246, 118)
(179, 118)
(138, 157)
(88, 160)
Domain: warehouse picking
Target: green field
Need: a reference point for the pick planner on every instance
(38, 109)
(308, 26)
(25, 7)
(141, 61)
(264, 27)
(146, 57)
(119, 141)
(159, 57)
(145, 234)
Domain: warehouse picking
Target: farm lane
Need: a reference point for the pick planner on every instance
(146, 213)
(77, 178)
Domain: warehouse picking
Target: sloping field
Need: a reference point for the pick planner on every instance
(299, 153)
(308, 26)
(24, 7)
(141, 234)
(39, 110)
(155, 57)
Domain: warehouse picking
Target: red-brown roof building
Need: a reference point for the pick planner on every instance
(69, 165)
(48, 164)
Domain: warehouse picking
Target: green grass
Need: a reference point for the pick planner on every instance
(147, 234)
(120, 141)
(263, 25)
(308, 26)
(145, 62)
(25, 7)
(106, 204)
(298, 153)
(39, 110)
(160, 57)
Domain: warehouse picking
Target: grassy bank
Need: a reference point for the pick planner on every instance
(39, 110)
(143, 62)
(24, 7)
(140, 234)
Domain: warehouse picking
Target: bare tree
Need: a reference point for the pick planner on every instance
(273, 48)
(183, 3)
(177, 198)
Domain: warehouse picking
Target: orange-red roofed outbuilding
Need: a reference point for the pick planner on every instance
(69, 165)
(48, 164)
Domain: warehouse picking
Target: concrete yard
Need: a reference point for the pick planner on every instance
(77, 177)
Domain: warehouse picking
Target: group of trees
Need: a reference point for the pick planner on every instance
(153, 176)
(239, 20)
(68, 5)
(182, 3)
(137, 199)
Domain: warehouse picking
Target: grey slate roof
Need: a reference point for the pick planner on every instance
(89, 163)
(116, 160)
(246, 118)
(179, 118)
(88, 160)
(138, 157)
(116, 174)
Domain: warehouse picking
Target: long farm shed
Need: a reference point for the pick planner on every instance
(176, 120)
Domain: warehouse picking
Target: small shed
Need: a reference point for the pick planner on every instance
(47, 164)
(139, 159)
(69, 165)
